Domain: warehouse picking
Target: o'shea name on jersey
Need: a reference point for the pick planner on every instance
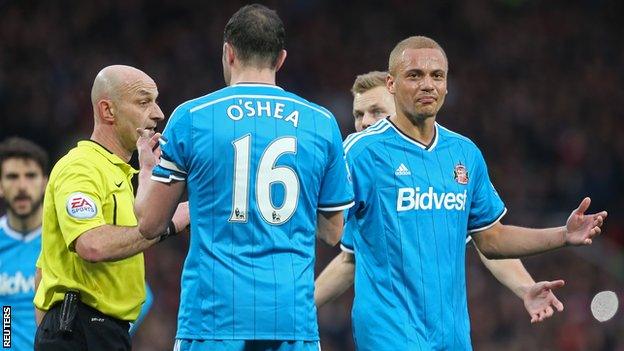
(262, 109)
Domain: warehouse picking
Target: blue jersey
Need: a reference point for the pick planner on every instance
(18, 255)
(258, 163)
(147, 305)
(414, 206)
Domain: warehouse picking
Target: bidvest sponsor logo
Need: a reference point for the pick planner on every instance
(414, 199)
(16, 284)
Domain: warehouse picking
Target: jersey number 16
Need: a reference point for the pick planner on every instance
(266, 174)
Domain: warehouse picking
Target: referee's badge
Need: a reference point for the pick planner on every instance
(81, 206)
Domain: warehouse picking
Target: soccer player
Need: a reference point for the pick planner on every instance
(419, 189)
(93, 279)
(265, 174)
(23, 177)
(373, 102)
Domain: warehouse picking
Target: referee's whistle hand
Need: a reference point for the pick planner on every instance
(147, 146)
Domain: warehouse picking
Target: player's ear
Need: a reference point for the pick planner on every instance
(228, 54)
(106, 110)
(390, 83)
(281, 57)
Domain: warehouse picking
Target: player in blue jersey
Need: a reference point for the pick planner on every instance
(23, 177)
(372, 102)
(265, 175)
(419, 189)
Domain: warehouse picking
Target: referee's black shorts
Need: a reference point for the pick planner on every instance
(92, 331)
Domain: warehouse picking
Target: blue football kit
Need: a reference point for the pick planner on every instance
(258, 163)
(18, 254)
(415, 204)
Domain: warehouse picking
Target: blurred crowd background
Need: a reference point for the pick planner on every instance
(536, 84)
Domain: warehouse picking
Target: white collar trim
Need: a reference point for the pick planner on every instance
(12, 233)
(429, 147)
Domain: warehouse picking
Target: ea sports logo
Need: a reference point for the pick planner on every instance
(81, 206)
(80, 202)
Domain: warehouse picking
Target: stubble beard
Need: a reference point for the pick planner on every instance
(419, 117)
(34, 207)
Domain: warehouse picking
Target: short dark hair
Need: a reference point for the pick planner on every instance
(415, 42)
(16, 147)
(257, 35)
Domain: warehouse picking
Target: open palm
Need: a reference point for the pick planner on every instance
(581, 228)
(540, 301)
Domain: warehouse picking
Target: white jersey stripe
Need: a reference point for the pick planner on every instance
(359, 137)
(373, 128)
(336, 208)
(489, 225)
(170, 166)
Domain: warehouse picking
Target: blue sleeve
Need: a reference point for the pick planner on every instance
(346, 243)
(336, 193)
(361, 182)
(486, 207)
(149, 300)
(175, 145)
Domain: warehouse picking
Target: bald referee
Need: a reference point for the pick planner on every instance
(93, 278)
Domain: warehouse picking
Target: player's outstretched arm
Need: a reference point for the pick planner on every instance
(335, 279)
(505, 241)
(538, 298)
(511, 273)
(156, 202)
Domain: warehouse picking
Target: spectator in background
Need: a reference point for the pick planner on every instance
(23, 177)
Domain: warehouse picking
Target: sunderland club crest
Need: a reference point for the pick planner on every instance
(461, 174)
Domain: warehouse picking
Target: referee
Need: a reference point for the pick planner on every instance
(93, 278)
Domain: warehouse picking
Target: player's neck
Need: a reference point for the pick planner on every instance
(252, 75)
(27, 224)
(110, 142)
(422, 130)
